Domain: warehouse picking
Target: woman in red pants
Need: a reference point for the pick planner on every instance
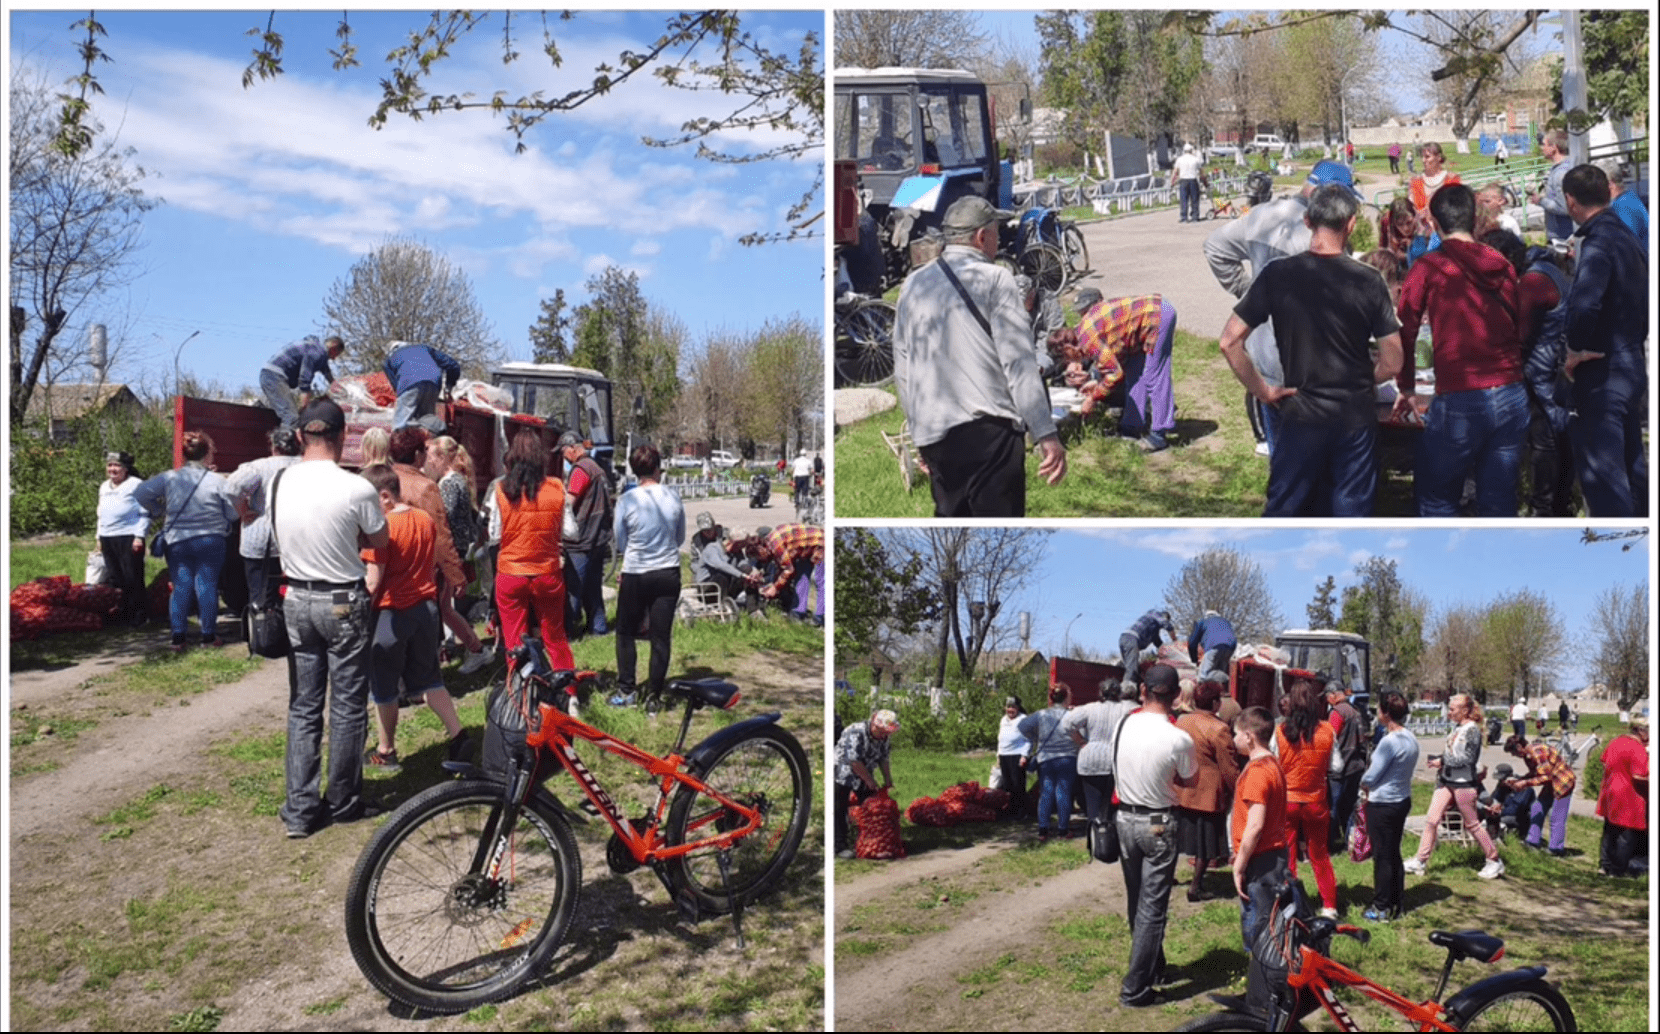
(1305, 742)
(530, 571)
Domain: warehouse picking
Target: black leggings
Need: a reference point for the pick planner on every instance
(649, 597)
(124, 569)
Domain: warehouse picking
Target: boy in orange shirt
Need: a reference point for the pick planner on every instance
(407, 630)
(1259, 857)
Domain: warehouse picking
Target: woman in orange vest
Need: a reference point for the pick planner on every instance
(530, 571)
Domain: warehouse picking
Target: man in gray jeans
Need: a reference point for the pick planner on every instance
(322, 517)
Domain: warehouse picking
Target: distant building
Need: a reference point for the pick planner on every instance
(63, 404)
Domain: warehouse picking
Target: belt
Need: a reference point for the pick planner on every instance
(301, 583)
(1142, 809)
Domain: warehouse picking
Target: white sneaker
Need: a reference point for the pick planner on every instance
(1328, 913)
(478, 660)
(1492, 870)
(1262, 448)
(1413, 866)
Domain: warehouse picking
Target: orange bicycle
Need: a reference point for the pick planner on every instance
(1517, 1000)
(465, 893)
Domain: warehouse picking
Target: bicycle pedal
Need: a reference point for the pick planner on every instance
(459, 769)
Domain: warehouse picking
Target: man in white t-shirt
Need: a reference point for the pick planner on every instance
(1187, 174)
(1518, 716)
(323, 516)
(1154, 758)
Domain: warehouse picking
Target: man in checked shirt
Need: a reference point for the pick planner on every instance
(1556, 781)
(798, 549)
(1123, 340)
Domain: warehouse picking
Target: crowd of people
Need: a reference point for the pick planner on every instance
(1182, 769)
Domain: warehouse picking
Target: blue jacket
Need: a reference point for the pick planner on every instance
(1208, 634)
(420, 364)
(1608, 302)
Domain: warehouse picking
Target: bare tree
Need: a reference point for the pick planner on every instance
(405, 291)
(74, 229)
(1449, 661)
(935, 38)
(1227, 581)
(1617, 642)
(974, 571)
(709, 401)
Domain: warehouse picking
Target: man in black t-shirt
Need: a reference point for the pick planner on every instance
(1327, 310)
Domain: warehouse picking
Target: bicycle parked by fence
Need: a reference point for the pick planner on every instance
(1519, 1000)
(466, 892)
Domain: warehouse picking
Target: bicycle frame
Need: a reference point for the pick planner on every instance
(1320, 976)
(556, 735)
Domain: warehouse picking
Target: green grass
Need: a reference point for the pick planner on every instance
(61, 555)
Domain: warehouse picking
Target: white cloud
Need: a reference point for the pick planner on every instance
(646, 248)
(295, 157)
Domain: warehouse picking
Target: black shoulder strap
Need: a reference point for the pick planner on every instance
(979, 317)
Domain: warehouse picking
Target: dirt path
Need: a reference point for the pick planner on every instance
(132, 919)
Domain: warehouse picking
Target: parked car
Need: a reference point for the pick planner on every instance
(723, 459)
(682, 461)
(1268, 142)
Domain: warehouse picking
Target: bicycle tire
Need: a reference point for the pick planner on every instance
(1045, 264)
(1226, 1021)
(864, 344)
(767, 770)
(1533, 1006)
(1077, 254)
(416, 918)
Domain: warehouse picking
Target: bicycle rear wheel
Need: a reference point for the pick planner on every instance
(864, 344)
(1045, 264)
(1533, 1006)
(766, 771)
(427, 924)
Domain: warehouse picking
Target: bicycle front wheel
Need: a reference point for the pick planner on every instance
(766, 771)
(429, 925)
(1532, 1006)
(1077, 256)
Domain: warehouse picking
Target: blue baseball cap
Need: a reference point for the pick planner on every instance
(1333, 172)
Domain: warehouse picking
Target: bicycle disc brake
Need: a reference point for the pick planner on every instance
(473, 898)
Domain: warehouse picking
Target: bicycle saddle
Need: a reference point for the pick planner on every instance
(1469, 944)
(710, 692)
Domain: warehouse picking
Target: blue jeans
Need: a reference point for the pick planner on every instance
(330, 631)
(194, 565)
(418, 404)
(1316, 470)
(1482, 433)
(1055, 791)
(1607, 436)
(1190, 199)
(1149, 857)
(584, 593)
(273, 384)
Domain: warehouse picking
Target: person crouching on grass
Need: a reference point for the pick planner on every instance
(1259, 856)
(407, 630)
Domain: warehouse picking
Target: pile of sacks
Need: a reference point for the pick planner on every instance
(54, 604)
(878, 822)
(965, 802)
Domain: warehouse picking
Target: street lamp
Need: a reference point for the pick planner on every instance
(1066, 639)
(176, 353)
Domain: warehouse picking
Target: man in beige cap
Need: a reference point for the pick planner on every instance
(967, 376)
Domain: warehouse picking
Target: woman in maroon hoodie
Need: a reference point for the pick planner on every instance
(1477, 423)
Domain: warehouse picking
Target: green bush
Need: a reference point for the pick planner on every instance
(1365, 237)
(968, 715)
(54, 486)
(1590, 781)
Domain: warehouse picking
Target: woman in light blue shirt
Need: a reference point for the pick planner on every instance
(650, 526)
(1388, 788)
(122, 524)
(196, 509)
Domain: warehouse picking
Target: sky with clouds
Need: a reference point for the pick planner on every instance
(272, 192)
(1100, 580)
